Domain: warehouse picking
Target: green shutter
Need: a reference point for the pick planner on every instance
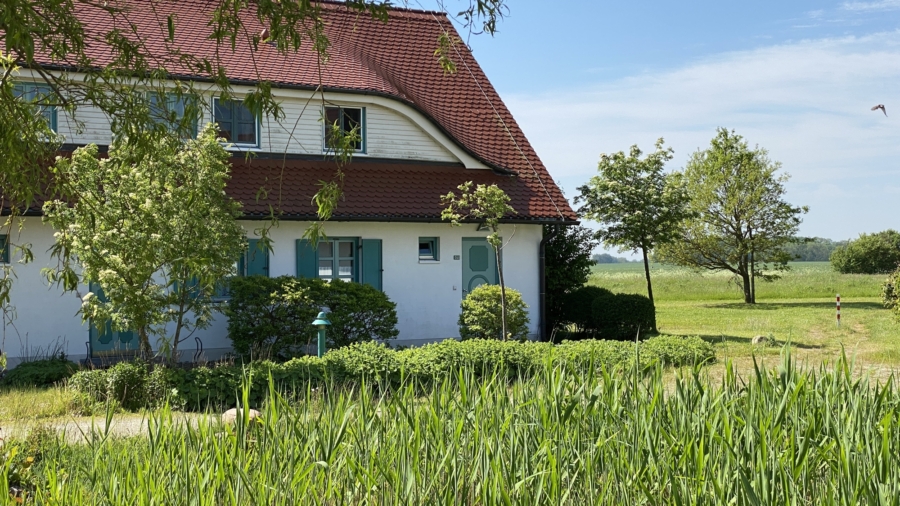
(4, 249)
(257, 259)
(307, 259)
(371, 263)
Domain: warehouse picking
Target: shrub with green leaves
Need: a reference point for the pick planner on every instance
(877, 253)
(220, 386)
(623, 315)
(890, 292)
(272, 317)
(481, 315)
(578, 308)
(40, 373)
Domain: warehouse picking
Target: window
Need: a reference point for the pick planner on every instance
(4, 249)
(254, 262)
(236, 123)
(38, 94)
(347, 119)
(337, 259)
(170, 110)
(429, 249)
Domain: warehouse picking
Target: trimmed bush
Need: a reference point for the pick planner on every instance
(579, 306)
(40, 373)
(271, 317)
(877, 253)
(135, 386)
(623, 315)
(480, 317)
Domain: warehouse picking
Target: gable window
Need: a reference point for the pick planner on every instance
(38, 94)
(4, 249)
(347, 119)
(337, 259)
(236, 123)
(429, 249)
(170, 110)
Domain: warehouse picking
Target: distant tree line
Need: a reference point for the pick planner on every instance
(606, 258)
(812, 249)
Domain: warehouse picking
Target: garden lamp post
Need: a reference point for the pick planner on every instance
(322, 323)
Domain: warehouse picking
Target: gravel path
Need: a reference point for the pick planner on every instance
(76, 429)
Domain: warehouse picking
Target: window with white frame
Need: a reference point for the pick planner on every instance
(429, 249)
(170, 110)
(41, 95)
(237, 124)
(348, 120)
(338, 259)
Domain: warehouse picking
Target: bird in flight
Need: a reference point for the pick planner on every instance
(880, 106)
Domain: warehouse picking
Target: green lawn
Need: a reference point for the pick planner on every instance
(799, 308)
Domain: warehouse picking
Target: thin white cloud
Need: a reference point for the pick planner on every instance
(880, 5)
(807, 103)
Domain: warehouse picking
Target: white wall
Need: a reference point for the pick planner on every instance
(427, 294)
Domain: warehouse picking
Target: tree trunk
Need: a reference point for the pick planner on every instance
(502, 295)
(649, 285)
(753, 277)
(146, 350)
(745, 282)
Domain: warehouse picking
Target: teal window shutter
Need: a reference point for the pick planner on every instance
(307, 259)
(257, 263)
(371, 263)
(4, 249)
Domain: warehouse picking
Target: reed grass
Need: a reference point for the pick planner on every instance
(563, 436)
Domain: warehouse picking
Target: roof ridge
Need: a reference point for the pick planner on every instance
(394, 8)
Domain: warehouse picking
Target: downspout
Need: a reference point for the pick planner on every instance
(542, 254)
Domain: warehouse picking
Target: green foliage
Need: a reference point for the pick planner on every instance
(135, 386)
(567, 267)
(606, 258)
(890, 292)
(40, 373)
(482, 310)
(163, 263)
(737, 209)
(877, 253)
(20, 457)
(272, 317)
(812, 249)
(638, 206)
(578, 308)
(623, 315)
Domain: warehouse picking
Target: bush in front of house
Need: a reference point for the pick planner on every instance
(135, 386)
(40, 373)
(621, 316)
(578, 310)
(877, 253)
(272, 317)
(480, 317)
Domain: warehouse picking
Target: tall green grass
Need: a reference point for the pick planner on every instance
(805, 280)
(564, 436)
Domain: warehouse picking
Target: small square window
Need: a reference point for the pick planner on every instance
(348, 119)
(176, 113)
(429, 249)
(237, 124)
(4, 249)
(41, 95)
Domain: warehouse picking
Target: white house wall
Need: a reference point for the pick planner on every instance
(427, 294)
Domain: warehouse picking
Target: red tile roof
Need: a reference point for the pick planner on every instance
(373, 191)
(395, 59)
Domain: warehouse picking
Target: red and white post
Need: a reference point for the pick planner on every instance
(838, 310)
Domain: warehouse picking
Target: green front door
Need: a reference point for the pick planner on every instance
(105, 342)
(479, 264)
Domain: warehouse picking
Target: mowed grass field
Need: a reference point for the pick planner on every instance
(798, 309)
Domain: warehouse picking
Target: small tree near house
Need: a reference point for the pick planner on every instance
(487, 204)
(153, 228)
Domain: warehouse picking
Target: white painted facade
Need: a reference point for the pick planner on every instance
(428, 294)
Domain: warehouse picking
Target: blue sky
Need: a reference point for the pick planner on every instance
(798, 78)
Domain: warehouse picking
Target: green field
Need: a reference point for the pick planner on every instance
(799, 308)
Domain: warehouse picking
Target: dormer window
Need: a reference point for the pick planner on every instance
(39, 95)
(347, 119)
(236, 123)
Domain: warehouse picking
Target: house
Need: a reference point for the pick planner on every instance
(423, 133)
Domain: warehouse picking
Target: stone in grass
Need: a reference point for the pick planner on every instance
(231, 415)
(762, 340)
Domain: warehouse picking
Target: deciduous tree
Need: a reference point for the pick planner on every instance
(739, 221)
(637, 205)
(154, 229)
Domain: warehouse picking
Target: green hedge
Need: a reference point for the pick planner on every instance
(621, 316)
(272, 317)
(40, 373)
(135, 385)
